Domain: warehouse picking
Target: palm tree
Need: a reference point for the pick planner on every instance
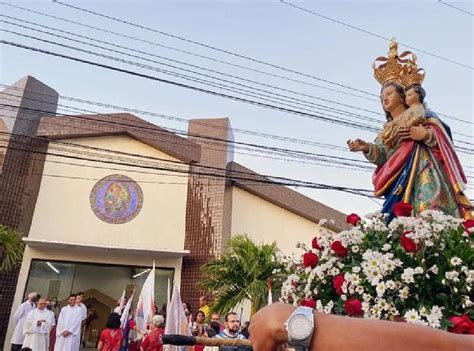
(11, 249)
(241, 273)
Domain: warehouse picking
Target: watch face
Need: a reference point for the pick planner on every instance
(300, 327)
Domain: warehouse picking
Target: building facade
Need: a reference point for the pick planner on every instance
(99, 198)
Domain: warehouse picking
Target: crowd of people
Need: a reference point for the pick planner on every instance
(40, 325)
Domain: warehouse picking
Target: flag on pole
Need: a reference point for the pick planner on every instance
(146, 302)
(176, 321)
(270, 297)
(168, 293)
(126, 311)
(119, 308)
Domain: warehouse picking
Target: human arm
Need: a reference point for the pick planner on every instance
(268, 333)
(19, 313)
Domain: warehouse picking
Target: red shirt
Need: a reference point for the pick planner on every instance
(111, 339)
(153, 341)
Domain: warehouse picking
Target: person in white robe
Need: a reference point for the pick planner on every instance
(68, 329)
(37, 327)
(19, 319)
(79, 299)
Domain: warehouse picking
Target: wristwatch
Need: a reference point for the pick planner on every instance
(300, 327)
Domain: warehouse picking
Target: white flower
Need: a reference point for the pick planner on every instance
(343, 297)
(328, 307)
(411, 316)
(452, 275)
(356, 269)
(407, 275)
(390, 284)
(366, 297)
(434, 269)
(455, 261)
(355, 249)
(386, 247)
(434, 317)
(418, 270)
(404, 293)
(380, 289)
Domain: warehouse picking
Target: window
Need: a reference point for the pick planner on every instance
(102, 286)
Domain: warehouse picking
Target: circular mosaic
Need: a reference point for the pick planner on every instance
(116, 199)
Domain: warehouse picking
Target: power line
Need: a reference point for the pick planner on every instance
(331, 159)
(372, 34)
(325, 107)
(226, 87)
(207, 46)
(183, 120)
(361, 165)
(258, 178)
(182, 63)
(174, 118)
(182, 85)
(456, 8)
(69, 21)
(280, 96)
(205, 82)
(240, 99)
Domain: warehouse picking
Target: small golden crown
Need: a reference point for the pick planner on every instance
(401, 69)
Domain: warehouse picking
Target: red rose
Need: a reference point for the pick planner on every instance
(340, 250)
(310, 259)
(308, 302)
(353, 219)
(337, 283)
(469, 225)
(315, 244)
(402, 209)
(353, 307)
(461, 325)
(407, 243)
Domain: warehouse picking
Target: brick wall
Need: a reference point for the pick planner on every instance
(205, 226)
(19, 180)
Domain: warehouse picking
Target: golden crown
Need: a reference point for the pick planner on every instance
(401, 69)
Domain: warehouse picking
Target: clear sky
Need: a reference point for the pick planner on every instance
(273, 32)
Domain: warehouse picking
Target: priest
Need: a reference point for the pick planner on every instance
(19, 319)
(37, 326)
(68, 329)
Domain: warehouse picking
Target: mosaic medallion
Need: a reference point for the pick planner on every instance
(116, 199)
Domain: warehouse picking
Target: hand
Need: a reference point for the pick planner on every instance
(267, 327)
(418, 133)
(38, 323)
(358, 145)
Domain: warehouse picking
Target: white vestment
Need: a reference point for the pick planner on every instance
(37, 337)
(70, 319)
(19, 319)
(77, 341)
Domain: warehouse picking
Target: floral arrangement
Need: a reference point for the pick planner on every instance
(416, 270)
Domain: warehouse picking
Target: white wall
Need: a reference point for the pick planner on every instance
(63, 210)
(266, 222)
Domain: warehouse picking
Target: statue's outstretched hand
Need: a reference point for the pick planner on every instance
(358, 145)
(267, 327)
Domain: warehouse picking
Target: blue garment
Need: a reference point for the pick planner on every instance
(225, 335)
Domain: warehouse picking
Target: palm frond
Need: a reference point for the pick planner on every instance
(11, 249)
(240, 273)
